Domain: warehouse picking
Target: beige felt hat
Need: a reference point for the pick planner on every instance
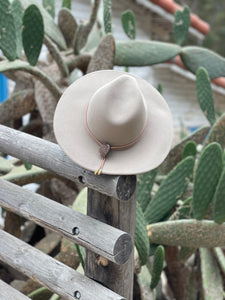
(112, 122)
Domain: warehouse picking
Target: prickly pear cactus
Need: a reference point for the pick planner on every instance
(170, 191)
(195, 57)
(204, 93)
(189, 149)
(7, 31)
(219, 201)
(217, 133)
(107, 16)
(17, 12)
(157, 266)
(181, 25)
(49, 5)
(144, 53)
(33, 33)
(207, 175)
(129, 24)
(141, 236)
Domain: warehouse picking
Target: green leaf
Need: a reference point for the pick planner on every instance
(67, 4)
(7, 31)
(219, 200)
(204, 93)
(157, 266)
(33, 33)
(181, 25)
(141, 236)
(171, 189)
(17, 12)
(129, 24)
(160, 88)
(189, 149)
(144, 53)
(212, 284)
(81, 253)
(51, 29)
(144, 186)
(217, 133)
(195, 57)
(207, 175)
(49, 5)
(107, 15)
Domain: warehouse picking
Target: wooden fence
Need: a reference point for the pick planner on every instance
(106, 231)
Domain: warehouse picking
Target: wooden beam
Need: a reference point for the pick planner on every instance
(49, 156)
(53, 274)
(111, 243)
(7, 292)
(122, 215)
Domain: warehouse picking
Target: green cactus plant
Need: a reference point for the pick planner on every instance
(187, 233)
(204, 93)
(207, 175)
(49, 5)
(141, 236)
(189, 149)
(33, 33)
(217, 133)
(219, 200)
(212, 284)
(7, 31)
(17, 12)
(170, 191)
(51, 29)
(157, 266)
(129, 24)
(107, 16)
(195, 57)
(181, 25)
(144, 187)
(144, 53)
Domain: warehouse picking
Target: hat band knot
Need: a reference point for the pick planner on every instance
(105, 148)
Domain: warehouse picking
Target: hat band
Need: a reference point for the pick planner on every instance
(105, 148)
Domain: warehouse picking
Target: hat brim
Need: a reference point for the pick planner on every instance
(75, 141)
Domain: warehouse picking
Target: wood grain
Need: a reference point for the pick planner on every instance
(121, 215)
(114, 244)
(49, 156)
(56, 276)
(7, 292)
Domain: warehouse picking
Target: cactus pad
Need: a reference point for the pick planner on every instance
(141, 236)
(217, 133)
(204, 93)
(49, 5)
(207, 175)
(187, 233)
(144, 53)
(219, 201)
(170, 191)
(51, 29)
(107, 16)
(33, 33)
(128, 23)
(7, 31)
(67, 25)
(212, 285)
(181, 25)
(157, 266)
(189, 149)
(144, 186)
(17, 12)
(195, 57)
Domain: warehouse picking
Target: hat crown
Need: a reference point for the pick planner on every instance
(117, 112)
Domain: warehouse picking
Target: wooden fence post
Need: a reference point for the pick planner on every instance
(122, 215)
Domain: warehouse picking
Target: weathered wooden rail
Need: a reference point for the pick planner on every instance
(107, 230)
